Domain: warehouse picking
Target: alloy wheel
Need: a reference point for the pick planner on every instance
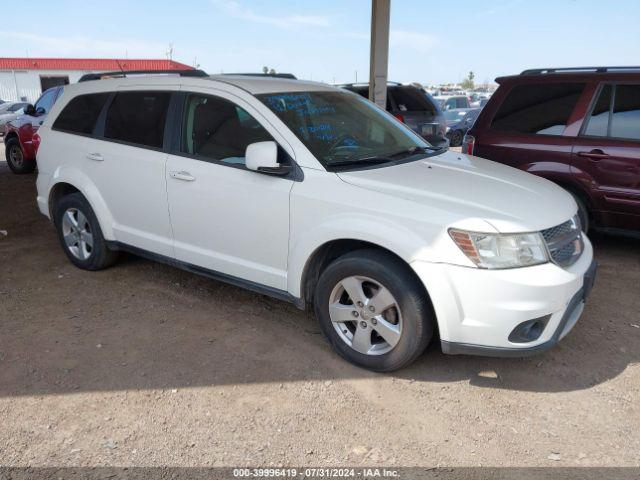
(77, 235)
(365, 315)
(16, 157)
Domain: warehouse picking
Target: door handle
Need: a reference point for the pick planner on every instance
(596, 154)
(182, 175)
(96, 157)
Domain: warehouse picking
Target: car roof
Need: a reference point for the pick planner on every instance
(542, 75)
(252, 84)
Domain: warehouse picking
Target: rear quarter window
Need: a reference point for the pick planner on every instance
(542, 109)
(81, 114)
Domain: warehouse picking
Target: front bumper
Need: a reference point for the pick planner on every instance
(478, 309)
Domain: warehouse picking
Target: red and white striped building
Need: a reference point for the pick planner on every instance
(24, 79)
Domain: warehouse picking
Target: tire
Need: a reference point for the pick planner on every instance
(15, 158)
(456, 138)
(76, 225)
(393, 345)
(583, 213)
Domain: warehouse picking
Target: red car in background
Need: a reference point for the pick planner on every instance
(20, 147)
(579, 128)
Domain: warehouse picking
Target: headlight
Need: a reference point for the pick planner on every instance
(489, 250)
(447, 129)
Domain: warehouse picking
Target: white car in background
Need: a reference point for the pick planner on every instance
(314, 195)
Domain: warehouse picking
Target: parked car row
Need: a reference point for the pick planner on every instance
(313, 195)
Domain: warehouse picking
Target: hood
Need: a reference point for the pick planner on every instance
(469, 187)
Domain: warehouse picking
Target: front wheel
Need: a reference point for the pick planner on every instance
(15, 158)
(373, 310)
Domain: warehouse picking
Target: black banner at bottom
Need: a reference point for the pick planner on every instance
(365, 473)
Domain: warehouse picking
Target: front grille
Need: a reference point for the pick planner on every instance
(564, 242)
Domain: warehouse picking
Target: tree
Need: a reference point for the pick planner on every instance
(467, 83)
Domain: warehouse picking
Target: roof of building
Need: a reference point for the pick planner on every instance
(7, 63)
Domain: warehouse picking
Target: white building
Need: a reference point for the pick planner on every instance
(24, 79)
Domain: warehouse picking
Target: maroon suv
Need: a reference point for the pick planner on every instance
(578, 127)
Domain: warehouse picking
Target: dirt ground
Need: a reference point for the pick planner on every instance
(143, 364)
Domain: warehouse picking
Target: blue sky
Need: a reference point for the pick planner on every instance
(431, 41)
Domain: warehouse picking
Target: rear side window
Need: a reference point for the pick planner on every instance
(81, 114)
(625, 119)
(538, 109)
(410, 99)
(138, 117)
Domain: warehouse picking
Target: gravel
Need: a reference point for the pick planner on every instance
(144, 364)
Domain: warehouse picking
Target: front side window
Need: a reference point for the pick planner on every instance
(81, 113)
(542, 109)
(625, 118)
(45, 102)
(138, 118)
(341, 128)
(214, 128)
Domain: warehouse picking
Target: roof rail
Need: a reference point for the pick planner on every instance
(125, 73)
(539, 71)
(364, 84)
(290, 76)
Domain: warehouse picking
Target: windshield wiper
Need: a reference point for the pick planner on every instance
(374, 160)
(415, 149)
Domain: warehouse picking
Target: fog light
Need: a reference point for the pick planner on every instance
(529, 331)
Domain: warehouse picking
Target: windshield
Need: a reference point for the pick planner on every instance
(340, 127)
(454, 115)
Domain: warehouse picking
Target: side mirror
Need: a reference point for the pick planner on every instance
(262, 157)
(30, 110)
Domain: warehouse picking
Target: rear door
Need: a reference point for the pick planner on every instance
(126, 161)
(606, 155)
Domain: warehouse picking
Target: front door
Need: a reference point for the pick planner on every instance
(226, 218)
(607, 154)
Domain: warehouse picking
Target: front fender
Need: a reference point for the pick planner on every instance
(402, 242)
(76, 178)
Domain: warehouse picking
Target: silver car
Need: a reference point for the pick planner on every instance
(9, 111)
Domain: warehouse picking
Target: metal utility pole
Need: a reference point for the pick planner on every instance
(379, 62)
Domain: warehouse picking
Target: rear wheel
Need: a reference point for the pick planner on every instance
(15, 158)
(456, 138)
(373, 310)
(80, 234)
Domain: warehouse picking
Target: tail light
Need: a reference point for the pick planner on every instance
(442, 126)
(36, 142)
(399, 117)
(468, 144)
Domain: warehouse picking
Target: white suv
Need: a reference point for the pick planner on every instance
(314, 195)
